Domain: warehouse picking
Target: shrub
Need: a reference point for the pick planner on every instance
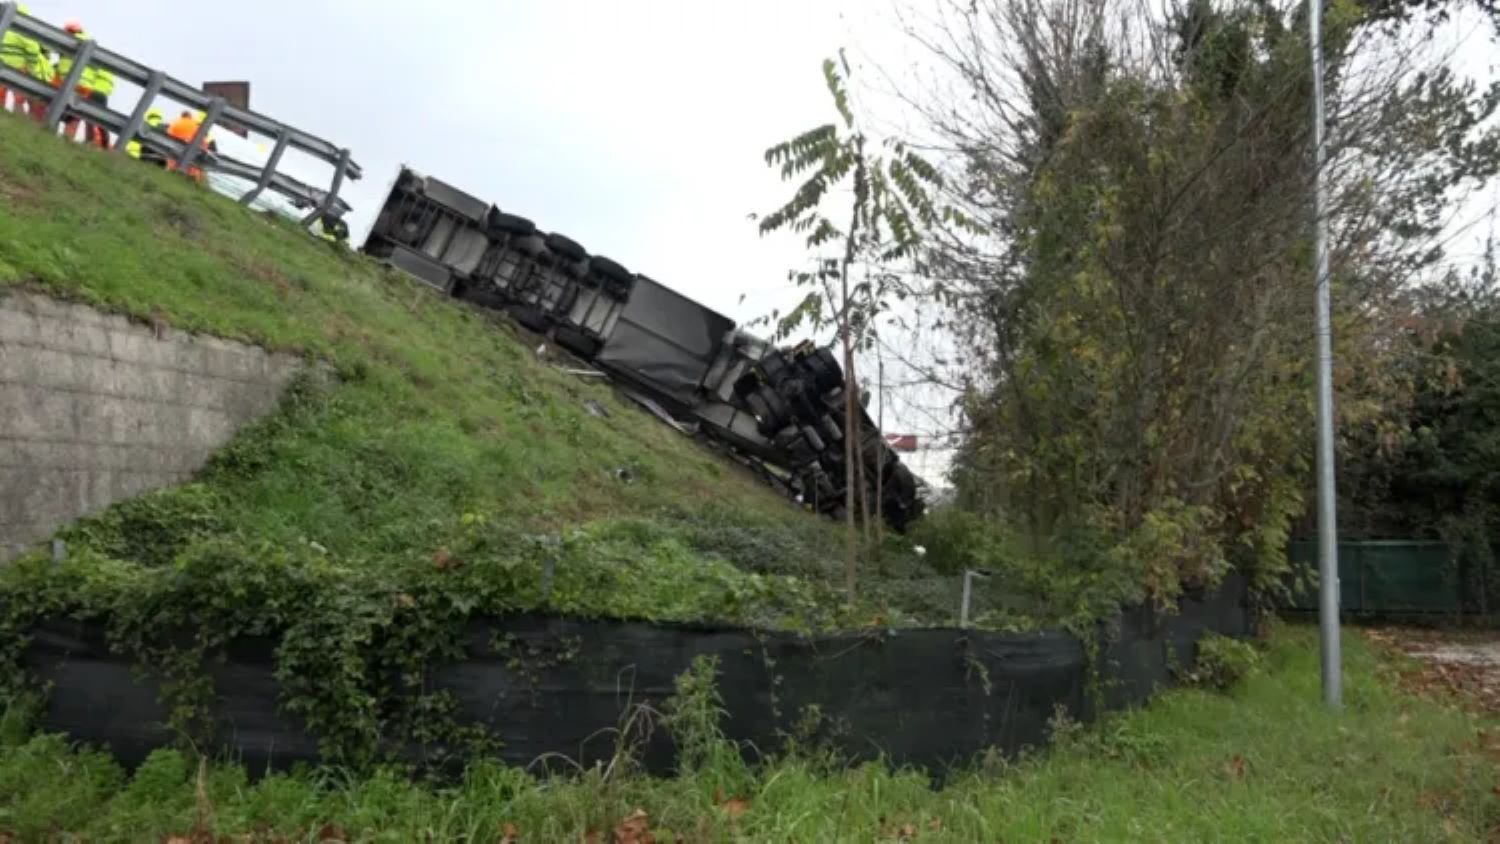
(1222, 661)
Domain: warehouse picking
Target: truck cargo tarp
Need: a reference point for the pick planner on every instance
(548, 685)
(665, 338)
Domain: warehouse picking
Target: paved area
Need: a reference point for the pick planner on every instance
(1463, 664)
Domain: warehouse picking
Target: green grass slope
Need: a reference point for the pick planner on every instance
(442, 413)
(442, 418)
(440, 472)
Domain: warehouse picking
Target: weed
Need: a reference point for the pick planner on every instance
(1263, 762)
(1222, 662)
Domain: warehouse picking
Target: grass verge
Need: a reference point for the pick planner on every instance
(1265, 762)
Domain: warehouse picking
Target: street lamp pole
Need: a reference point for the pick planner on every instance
(1328, 549)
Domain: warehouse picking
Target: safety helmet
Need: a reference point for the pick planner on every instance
(154, 116)
(23, 9)
(73, 27)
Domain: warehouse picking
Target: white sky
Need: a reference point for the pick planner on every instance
(636, 128)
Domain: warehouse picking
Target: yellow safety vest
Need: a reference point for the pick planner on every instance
(133, 149)
(335, 233)
(94, 78)
(18, 52)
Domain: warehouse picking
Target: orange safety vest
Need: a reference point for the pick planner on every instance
(184, 129)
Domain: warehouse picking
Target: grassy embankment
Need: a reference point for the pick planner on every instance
(439, 475)
(445, 435)
(1265, 762)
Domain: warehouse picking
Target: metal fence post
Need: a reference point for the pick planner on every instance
(215, 108)
(282, 138)
(963, 606)
(64, 97)
(7, 17)
(333, 190)
(138, 117)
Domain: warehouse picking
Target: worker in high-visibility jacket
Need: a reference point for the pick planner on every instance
(332, 229)
(22, 55)
(137, 150)
(184, 129)
(95, 84)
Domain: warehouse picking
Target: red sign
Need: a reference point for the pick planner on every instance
(901, 442)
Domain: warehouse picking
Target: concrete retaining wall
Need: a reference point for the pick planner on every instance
(95, 408)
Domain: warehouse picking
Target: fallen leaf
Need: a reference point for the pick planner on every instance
(1236, 767)
(441, 558)
(591, 837)
(732, 806)
(332, 832)
(907, 832)
(635, 829)
(509, 834)
(736, 807)
(936, 824)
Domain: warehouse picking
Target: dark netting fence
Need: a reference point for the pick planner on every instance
(546, 685)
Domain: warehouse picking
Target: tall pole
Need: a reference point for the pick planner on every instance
(1328, 547)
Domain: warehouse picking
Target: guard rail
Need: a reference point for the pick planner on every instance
(64, 99)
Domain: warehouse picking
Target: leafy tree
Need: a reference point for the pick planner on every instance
(1139, 306)
(887, 202)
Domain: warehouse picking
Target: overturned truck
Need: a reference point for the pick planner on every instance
(780, 410)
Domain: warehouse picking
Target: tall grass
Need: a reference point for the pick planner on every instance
(1265, 762)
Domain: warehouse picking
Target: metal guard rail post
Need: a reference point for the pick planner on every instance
(155, 83)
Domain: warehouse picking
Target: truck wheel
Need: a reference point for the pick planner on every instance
(565, 248)
(510, 224)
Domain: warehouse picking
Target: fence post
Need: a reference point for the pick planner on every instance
(282, 137)
(333, 190)
(64, 97)
(1364, 571)
(138, 117)
(215, 108)
(7, 17)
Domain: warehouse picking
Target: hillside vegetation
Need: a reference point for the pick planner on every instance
(434, 467)
(441, 422)
(1265, 762)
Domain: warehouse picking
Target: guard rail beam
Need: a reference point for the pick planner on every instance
(154, 83)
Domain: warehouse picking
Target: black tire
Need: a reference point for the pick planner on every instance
(757, 407)
(532, 245)
(815, 442)
(780, 414)
(576, 342)
(774, 367)
(501, 223)
(531, 317)
(609, 270)
(827, 374)
(564, 248)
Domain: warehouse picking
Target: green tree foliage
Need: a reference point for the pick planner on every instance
(889, 205)
(1430, 467)
(1141, 304)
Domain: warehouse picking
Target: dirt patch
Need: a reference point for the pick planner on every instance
(1459, 666)
(18, 194)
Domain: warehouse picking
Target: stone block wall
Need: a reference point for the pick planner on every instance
(95, 408)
